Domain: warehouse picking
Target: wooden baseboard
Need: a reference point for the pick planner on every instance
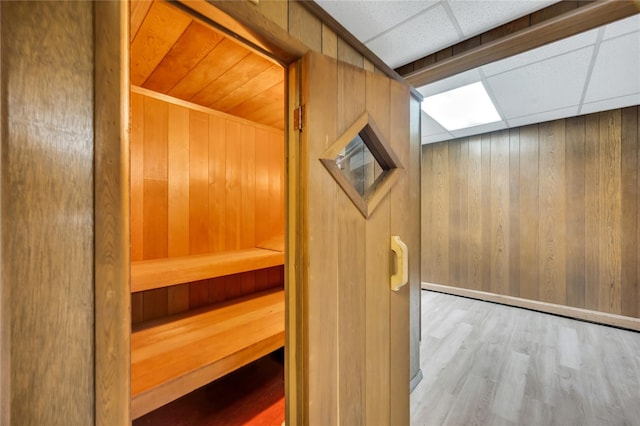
(566, 311)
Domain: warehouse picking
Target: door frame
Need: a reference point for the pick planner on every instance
(112, 197)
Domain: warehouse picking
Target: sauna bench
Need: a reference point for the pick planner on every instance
(157, 273)
(176, 355)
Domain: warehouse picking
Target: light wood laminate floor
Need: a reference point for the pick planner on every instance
(489, 364)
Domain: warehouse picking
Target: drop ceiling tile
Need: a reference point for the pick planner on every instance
(425, 33)
(623, 26)
(430, 126)
(550, 50)
(544, 116)
(477, 16)
(458, 80)
(617, 69)
(607, 104)
(542, 86)
(478, 130)
(367, 19)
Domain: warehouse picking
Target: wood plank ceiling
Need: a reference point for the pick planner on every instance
(176, 55)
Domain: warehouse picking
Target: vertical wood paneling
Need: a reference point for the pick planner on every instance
(198, 182)
(474, 214)
(155, 196)
(351, 292)
(136, 153)
(630, 213)
(610, 212)
(575, 201)
(262, 230)
(305, 26)
(499, 196)
(514, 212)
(377, 268)
(276, 185)
(47, 168)
(322, 256)
(178, 179)
(529, 218)
(329, 42)
(592, 212)
(401, 224)
(178, 199)
(427, 210)
(217, 183)
(485, 213)
(570, 192)
(463, 177)
(552, 231)
(233, 190)
(455, 185)
(186, 183)
(248, 185)
(440, 230)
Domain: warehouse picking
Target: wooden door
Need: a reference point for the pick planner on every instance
(348, 332)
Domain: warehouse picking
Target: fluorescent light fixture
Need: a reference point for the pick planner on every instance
(466, 106)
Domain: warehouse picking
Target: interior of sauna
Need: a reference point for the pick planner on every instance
(207, 218)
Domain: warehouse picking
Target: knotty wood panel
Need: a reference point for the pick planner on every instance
(552, 224)
(529, 220)
(558, 199)
(630, 199)
(575, 181)
(47, 257)
(195, 189)
(499, 199)
(592, 214)
(610, 212)
(473, 213)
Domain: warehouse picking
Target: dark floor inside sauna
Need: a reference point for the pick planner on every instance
(252, 395)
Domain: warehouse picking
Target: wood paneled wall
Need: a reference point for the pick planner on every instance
(47, 213)
(201, 182)
(547, 212)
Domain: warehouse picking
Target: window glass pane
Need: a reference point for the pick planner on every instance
(359, 166)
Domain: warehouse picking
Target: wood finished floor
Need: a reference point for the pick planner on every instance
(488, 364)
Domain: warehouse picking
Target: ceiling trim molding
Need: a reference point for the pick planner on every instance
(587, 17)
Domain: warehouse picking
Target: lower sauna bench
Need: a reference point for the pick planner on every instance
(176, 355)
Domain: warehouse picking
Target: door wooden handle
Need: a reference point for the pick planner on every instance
(401, 276)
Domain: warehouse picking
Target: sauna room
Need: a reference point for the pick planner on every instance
(207, 221)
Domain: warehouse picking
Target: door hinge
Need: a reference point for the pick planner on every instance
(298, 118)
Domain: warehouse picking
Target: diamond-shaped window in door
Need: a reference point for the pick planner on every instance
(363, 164)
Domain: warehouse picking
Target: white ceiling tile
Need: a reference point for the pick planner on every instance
(543, 86)
(367, 19)
(477, 16)
(617, 69)
(458, 80)
(544, 116)
(607, 104)
(430, 126)
(553, 49)
(424, 34)
(623, 26)
(478, 130)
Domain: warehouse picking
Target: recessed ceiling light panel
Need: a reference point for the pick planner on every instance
(466, 106)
